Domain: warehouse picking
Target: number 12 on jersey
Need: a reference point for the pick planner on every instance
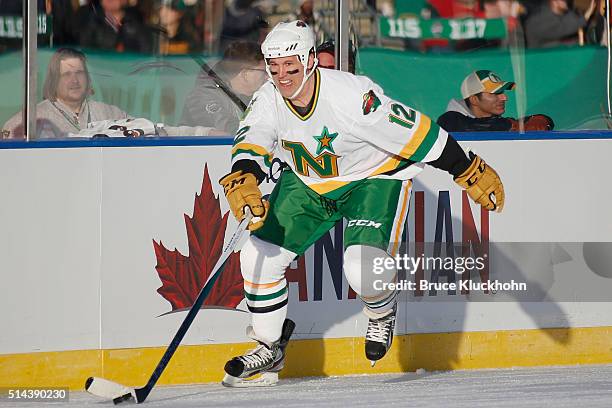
(402, 117)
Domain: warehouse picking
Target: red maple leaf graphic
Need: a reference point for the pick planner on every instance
(183, 276)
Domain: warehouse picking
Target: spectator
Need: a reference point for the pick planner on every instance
(179, 34)
(66, 107)
(553, 23)
(219, 97)
(510, 10)
(596, 31)
(242, 21)
(482, 107)
(326, 53)
(305, 12)
(456, 8)
(62, 15)
(112, 25)
(447, 9)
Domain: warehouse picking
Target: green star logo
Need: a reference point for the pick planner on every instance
(325, 140)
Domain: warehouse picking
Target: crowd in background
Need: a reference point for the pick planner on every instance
(193, 26)
(530, 23)
(233, 29)
(144, 26)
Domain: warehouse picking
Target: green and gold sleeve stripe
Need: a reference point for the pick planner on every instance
(393, 163)
(422, 140)
(253, 150)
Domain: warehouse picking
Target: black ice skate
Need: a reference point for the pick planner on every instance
(265, 359)
(379, 335)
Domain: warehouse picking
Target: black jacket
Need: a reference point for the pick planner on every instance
(458, 118)
(134, 35)
(458, 122)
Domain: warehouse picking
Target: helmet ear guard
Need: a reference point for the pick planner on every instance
(288, 39)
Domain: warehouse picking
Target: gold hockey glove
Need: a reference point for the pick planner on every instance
(242, 191)
(483, 184)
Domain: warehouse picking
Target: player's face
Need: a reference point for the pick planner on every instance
(72, 84)
(488, 104)
(287, 73)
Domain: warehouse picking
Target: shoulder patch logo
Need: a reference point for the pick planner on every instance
(370, 102)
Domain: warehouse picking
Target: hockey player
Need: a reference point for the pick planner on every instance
(352, 153)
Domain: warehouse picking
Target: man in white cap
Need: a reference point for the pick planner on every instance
(349, 148)
(483, 104)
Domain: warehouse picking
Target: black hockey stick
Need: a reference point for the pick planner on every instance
(220, 83)
(120, 393)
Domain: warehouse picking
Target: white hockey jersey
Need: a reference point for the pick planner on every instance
(352, 132)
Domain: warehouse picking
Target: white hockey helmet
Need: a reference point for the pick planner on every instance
(287, 39)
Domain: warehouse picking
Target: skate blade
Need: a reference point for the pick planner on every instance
(372, 363)
(266, 379)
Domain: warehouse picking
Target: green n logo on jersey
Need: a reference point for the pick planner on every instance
(325, 165)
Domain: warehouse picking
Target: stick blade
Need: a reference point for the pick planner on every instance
(103, 388)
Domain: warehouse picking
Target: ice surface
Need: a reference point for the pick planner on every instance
(559, 387)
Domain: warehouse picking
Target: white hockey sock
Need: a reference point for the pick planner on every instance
(380, 309)
(265, 287)
(268, 326)
(366, 277)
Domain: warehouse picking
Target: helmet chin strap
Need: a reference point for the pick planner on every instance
(306, 76)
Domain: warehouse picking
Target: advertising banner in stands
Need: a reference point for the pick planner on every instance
(12, 26)
(452, 29)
